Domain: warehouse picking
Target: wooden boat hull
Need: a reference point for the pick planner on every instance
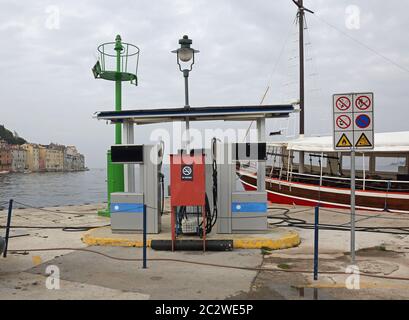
(295, 193)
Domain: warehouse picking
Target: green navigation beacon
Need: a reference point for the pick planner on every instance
(117, 61)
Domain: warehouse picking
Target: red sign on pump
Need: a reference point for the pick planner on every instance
(187, 180)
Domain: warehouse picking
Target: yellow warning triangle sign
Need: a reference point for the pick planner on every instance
(363, 141)
(344, 142)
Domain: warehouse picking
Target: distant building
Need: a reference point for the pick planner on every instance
(73, 160)
(40, 158)
(69, 154)
(32, 156)
(54, 157)
(5, 156)
(80, 162)
(42, 150)
(18, 159)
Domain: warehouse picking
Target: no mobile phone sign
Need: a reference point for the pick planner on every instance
(343, 121)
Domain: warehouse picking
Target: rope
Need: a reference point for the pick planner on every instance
(272, 74)
(48, 210)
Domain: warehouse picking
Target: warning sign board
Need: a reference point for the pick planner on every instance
(343, 122)
(363, 140)
(344, 142)
(363, 121)
(363, 102)
(353, 121)
(343, 102)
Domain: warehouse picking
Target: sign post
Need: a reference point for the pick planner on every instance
(353, 205)
(353, 130)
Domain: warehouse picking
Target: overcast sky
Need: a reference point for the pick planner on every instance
(48, 93)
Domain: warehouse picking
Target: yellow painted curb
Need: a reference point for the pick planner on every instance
(289, 240)
(362, 285)
(114, 242)
(292, 239)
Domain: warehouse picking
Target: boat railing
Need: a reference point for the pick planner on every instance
(387, 185)
(344, 182)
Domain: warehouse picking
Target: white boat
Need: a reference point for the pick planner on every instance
(324, 177)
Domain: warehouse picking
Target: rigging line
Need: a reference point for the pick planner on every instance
(272, 73)
(396, 64)
(252, 121)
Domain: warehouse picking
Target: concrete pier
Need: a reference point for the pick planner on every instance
(241, 273)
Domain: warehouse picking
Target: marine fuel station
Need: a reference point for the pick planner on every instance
(203, 195)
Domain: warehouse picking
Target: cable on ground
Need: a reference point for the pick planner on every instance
(258, 269)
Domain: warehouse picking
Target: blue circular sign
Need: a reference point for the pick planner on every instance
(363, 121)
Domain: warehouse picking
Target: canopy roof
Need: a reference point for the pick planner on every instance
(146, 116)
(384, 142)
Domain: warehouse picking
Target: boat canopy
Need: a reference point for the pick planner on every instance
(384, 142)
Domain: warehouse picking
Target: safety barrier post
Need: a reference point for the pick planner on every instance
(144, 236)
(316, 228)
(8, 227)
(204, 227)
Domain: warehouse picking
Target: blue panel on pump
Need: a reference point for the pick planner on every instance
(126, 208)
(237, 207)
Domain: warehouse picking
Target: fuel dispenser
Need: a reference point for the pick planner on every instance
(204, 191)
(188, 195)
(240, 211)
(127, 207)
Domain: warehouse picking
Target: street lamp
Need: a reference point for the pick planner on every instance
(185, 58)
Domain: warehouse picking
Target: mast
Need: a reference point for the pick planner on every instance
(300, 15)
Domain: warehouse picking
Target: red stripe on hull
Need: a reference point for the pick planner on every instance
(288, 200)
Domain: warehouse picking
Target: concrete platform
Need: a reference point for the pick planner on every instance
(274, 239)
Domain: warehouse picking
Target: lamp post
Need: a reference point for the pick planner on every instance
(185, 58)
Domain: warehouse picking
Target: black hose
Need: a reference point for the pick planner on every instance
(285, 220)
(258, 269)
(162, 189)
(63, 228)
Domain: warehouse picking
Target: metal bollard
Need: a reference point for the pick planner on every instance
(144, 236)
(8, 228)
(316, 228)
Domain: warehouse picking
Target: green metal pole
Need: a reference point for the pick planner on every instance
(119, 168)
(115, 172)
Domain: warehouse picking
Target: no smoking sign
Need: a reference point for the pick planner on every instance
(187, 172)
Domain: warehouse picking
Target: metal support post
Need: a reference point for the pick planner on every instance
(10, 210)
(261, 172)
(144, 235)
(204, 227)
(129, 169)
(316, 239)
(173, 226)
(118, 169)
(353, 206)
(187, 106)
